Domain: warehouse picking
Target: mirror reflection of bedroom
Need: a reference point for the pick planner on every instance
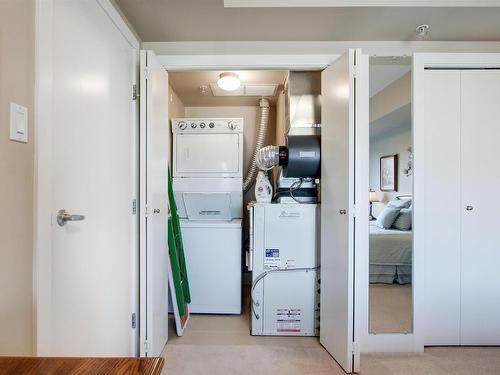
(390, 195)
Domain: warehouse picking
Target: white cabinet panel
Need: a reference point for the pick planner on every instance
(442, 207)
(480, 277)
(213, 259)
(208, 154)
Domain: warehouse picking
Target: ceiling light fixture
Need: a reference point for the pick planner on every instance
(421, 31)
(228, 81)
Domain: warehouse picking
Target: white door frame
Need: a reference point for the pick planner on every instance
(242, 62)
(43, 179)
(422, 61)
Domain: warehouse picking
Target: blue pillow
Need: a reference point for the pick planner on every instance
(403, 221)
(387, 217)
(400, 203)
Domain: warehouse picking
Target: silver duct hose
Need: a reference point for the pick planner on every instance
(264, 120)
(267, 157)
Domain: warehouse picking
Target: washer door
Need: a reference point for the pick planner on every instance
(208, 154)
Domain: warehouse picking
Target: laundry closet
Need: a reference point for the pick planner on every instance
(219, 137)
(214, 136)
(296, 221)
(246, 175)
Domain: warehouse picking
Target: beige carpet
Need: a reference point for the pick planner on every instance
(435, 361)
(222, 345)
(390, 308)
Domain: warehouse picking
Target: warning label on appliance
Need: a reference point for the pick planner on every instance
(272, 259)
(288, 320)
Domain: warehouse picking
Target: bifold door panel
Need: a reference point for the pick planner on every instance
(462, 294)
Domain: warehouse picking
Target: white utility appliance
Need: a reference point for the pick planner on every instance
(283, 258)
(208, 184)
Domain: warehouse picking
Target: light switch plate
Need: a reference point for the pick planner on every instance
(18, 123)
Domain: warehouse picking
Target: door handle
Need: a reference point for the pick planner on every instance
(469, 208)
(63, 217)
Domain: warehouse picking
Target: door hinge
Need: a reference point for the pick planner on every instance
(355, 348)
(135, 92)
(146, 73)
(134, 206)
(355, 71)
(146, 346)
(146, 211)
(354, 211)
(134, 320)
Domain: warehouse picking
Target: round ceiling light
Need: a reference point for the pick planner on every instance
(229, 81)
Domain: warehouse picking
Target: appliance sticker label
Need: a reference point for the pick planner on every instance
(272, 259)
(307, 154)
(288, 320)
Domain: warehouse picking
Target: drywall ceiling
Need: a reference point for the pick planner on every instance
(209, 20)
(187, 87)
(357, 3)
(386, 70)
(400, 119)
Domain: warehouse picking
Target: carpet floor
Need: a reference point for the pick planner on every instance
(222, 345)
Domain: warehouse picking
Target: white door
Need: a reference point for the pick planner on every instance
(154, 160)
(85, 269)
(338, 117)
(480, 180)
(461, 258)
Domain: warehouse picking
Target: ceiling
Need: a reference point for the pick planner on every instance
(187, 87)
(208, 20)
(385, 70)
(399, 119)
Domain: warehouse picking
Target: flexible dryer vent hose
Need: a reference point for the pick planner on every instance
(263, 122)
(267, 157)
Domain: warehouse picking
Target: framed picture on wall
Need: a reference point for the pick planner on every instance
(389, 173)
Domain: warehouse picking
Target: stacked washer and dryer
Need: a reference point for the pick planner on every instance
(208, 190)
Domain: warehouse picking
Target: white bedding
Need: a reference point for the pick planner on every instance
(390, 246)
(390, 255)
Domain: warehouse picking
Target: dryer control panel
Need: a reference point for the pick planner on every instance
(201, 125)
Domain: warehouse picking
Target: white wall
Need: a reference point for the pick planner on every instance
(395, 141)
(175, 105)
(17, 47)
(391, 98)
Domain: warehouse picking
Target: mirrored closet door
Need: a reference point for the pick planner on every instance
(390, 196)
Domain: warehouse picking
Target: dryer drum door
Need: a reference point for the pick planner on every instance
(214, 154)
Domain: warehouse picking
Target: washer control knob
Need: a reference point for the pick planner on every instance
(211, 125)
(182, 125)
(232, 125)
(193, 125)
(202, 125)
